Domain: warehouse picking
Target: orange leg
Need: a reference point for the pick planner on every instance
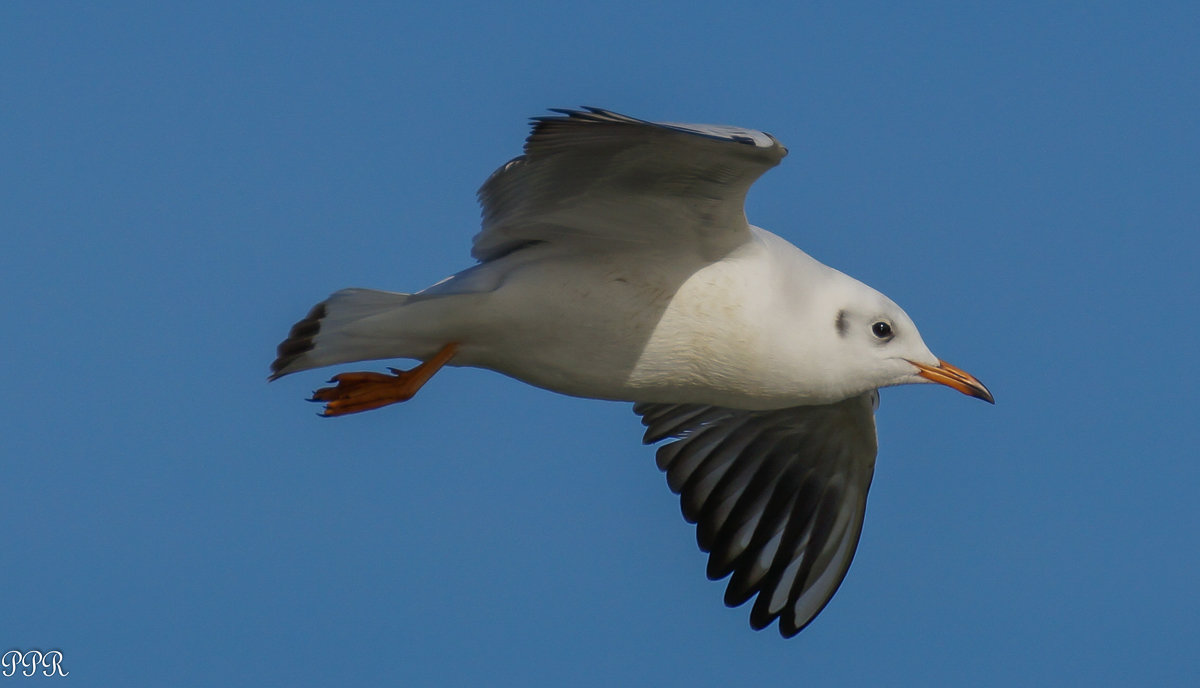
(356, 392)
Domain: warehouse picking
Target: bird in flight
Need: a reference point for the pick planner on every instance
(615, 262)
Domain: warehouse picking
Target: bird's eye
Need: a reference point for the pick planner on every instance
(882, 330)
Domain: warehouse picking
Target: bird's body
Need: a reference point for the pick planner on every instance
(616, 263)
(638, 332)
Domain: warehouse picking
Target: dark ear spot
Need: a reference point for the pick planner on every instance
(840, 323)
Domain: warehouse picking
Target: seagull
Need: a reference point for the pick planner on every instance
(615, 262)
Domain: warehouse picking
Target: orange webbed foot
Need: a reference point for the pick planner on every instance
(364, 391)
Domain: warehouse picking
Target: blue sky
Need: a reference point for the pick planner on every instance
(179, 184)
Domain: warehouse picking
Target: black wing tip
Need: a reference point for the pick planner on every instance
(593, 114)
(584, 112)
(786, 623)
(788, 628)
(300, 340)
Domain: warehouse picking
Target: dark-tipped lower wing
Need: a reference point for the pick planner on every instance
(778, 497)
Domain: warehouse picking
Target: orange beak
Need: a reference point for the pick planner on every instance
(945, 374)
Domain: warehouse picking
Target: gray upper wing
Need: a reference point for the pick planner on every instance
(778, 497)
(594, 174)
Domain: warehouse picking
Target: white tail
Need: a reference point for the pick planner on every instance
(351, 325)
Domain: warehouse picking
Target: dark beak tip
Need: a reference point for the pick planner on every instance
(979, 391)
(955, 378)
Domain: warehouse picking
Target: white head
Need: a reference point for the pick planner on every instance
(874, 337)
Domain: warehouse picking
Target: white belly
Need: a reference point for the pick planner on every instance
(636, 331)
